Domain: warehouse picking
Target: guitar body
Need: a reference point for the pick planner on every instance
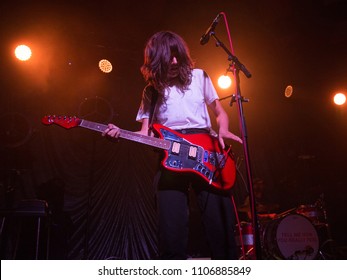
(199, 154)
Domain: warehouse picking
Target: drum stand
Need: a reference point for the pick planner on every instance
(325, 244)
(320, 204)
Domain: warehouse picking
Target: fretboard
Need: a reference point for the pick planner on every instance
(129, 135)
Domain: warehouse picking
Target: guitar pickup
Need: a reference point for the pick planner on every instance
(192, 153)
(175, 149)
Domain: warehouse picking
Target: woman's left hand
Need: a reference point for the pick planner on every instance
(227, 135)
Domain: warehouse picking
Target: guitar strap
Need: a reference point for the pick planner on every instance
(153, 107)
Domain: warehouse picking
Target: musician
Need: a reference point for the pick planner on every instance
(178, 96)
(264, 206)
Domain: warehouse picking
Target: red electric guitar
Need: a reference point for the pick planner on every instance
(196, 153)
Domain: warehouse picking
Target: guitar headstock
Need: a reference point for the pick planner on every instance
(64, 121)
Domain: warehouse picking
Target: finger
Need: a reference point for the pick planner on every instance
(109, 132)
(236, 138)
(114, 132)
(221, 142)
(239, 140)
(105, 132)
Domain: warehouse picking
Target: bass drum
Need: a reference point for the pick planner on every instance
(292, 237)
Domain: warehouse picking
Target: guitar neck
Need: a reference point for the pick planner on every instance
(129, 135)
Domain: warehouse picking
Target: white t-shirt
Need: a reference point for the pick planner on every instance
(179, 110)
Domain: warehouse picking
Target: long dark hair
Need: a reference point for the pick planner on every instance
(157, 60)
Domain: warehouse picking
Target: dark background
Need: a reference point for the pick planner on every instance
(100, 190)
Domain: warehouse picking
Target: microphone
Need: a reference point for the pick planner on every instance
(206, 36)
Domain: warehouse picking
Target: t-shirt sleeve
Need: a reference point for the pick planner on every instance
(210, 93)
(145, 106)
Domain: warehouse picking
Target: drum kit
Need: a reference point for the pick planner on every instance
(296, 234)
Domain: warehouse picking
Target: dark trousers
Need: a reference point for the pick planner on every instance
(217, 216)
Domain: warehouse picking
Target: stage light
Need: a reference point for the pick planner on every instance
(340, 99)
(288, 91)
(224, 81)
(23, 52)
(105, 66)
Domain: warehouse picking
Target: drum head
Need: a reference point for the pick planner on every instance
(297, 238)
(291, 237)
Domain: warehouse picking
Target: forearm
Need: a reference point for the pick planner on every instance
(144, 127)
(222, 121)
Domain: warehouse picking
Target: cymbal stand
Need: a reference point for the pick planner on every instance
(321, 205)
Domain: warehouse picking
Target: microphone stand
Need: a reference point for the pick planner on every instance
(238, 66)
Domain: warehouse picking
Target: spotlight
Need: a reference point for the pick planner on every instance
(105, 66)
(339, 99)
(224, 81)
(288, 91)
(23, 52)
